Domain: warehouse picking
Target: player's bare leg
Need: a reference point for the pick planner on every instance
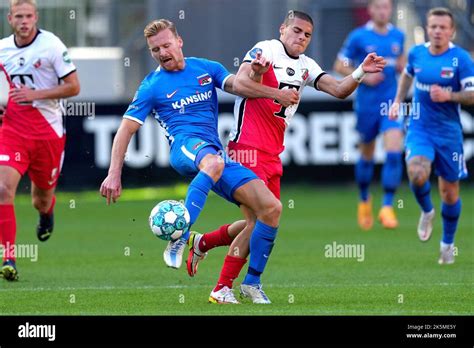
(234, 261)
(419, 170)
(44, 201)
(267, 209)
(450, 212)
(363, 172)
(9, 179)
(391, 176)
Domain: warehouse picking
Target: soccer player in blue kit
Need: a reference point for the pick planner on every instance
(444, 79)
(181, 95)
(371, 106)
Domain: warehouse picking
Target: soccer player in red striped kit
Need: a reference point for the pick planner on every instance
(270, 67)
(32, 137)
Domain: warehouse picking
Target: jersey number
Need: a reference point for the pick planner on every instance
(281, 112)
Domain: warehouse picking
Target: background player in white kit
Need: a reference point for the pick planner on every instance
(32, 136)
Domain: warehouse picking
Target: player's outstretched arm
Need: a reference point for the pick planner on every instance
(345, 68)
(245, 84)
(344, 88)
(69, 88)
(404, 84)
(111, 187)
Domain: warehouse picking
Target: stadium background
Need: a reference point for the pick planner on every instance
(107, 36)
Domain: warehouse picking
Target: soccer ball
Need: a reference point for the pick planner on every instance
(169, 220)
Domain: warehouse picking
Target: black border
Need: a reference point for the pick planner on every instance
(224, 330)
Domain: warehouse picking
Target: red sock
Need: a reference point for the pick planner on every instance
(53, 203)
(230, 271)
(215, 238)
(7, 230)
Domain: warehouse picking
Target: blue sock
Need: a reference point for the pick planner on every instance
(197, 195)
(391, 176)
(450, 214)
(422, 195)
(261, 245)
(364, 170)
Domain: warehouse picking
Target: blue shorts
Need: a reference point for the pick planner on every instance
(447, 156)
(185, 157)
(370, 124)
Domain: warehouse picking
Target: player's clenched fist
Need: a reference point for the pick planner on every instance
(439, 95)
(373, 63)
(111, 188)
(288, 96)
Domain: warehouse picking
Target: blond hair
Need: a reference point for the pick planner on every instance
(21, 2)
(158, 25)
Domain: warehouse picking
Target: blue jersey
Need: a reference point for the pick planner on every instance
(358, 45)
(452, 70)
(183, 102)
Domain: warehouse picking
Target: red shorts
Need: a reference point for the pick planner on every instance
(266, 166)
(42, 159)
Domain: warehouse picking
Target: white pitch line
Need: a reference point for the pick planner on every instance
(285, 286)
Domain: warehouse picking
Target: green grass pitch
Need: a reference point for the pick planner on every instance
(105, 261)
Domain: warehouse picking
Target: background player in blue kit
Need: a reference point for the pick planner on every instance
(373, 96)
(181, 95)
(444, 78)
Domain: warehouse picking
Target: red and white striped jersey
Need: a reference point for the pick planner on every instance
(40, 65)
(261, 123)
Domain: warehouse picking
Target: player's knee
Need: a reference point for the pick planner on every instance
(393, 140)
(7, 194)
(40, 203)
(448, 195)
(213, 165)
(273, 210)
(417, 175)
